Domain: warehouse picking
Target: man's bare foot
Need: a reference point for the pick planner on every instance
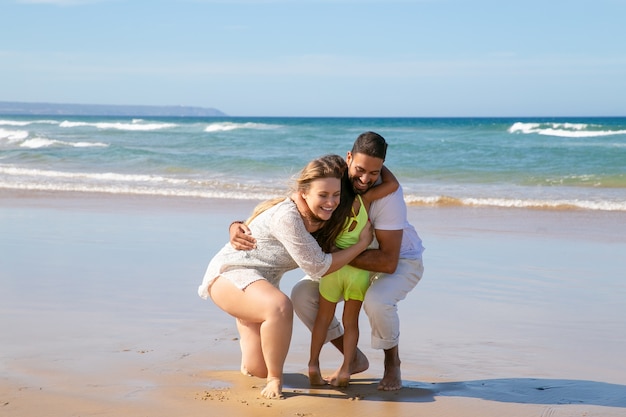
(273, 389)
(392, 379)
(315, 376)
(359, 364)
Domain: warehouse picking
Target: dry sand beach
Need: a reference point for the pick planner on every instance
(519, 313)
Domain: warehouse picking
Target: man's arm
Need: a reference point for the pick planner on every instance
(241, 236)
(385, 258)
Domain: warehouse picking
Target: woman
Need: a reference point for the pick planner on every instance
(290, 233)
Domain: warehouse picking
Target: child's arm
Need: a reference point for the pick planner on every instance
(388, 185)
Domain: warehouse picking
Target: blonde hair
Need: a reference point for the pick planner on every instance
(327, 166)
(262, 206)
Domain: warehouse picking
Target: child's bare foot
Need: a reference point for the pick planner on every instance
(358, 364)
(315, 376)
(273, 389)
(340, 379)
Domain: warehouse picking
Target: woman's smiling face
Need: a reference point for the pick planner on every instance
(323, 196)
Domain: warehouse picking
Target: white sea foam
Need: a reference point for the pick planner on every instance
(97, 176)
(12, 177)
(36, 143)
(136, 190)
(26, 122)
(137, 125)
(14, 123)
(568, 130)
(140, 184)
(558, 204)
(12, 136)
(546, 204)
(226, 126)
(20, 138)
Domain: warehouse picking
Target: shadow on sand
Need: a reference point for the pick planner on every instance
(510, 390)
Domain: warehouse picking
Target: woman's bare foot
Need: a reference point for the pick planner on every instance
(315, 376)
(273, 389)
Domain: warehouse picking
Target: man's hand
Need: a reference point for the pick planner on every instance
(241, 236)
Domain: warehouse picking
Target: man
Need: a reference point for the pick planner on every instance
(395, 261)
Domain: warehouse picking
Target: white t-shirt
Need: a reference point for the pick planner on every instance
(390, 213)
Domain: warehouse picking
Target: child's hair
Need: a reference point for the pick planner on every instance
(327, 166)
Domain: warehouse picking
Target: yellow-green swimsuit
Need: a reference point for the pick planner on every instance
(349, 283)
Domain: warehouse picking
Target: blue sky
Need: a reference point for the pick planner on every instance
(321, 58)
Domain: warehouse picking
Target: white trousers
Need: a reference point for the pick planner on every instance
(380, 304)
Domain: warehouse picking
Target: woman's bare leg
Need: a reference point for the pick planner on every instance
(263, 304)
(252, 361)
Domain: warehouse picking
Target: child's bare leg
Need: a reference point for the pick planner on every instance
(325, 315)
(351, 310)
(359, 363)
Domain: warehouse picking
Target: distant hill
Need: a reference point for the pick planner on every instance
(51, 109)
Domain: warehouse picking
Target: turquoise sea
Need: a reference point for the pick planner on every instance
(535, 163)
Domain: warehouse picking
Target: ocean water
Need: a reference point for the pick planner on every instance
(534, 163)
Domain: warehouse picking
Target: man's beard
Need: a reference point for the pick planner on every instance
(358, 190)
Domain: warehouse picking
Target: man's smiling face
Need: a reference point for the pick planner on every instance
(363, 171)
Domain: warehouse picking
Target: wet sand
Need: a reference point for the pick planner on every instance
(519, 313)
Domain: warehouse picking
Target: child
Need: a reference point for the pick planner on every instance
(349, 283)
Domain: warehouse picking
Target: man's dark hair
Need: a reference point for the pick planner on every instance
(370, 144)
